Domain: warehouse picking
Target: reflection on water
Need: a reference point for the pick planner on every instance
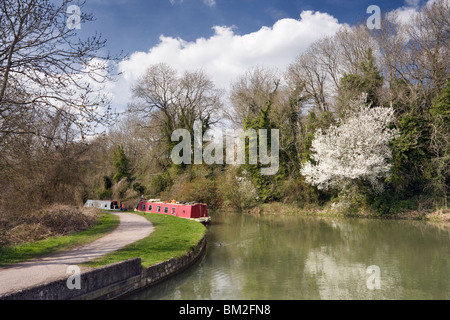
(298, 258)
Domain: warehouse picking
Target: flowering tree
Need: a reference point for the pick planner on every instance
(355, 150)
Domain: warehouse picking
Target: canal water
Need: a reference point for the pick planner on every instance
(302, 258)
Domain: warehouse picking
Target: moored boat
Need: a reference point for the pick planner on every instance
(105, 205)
(192, 210)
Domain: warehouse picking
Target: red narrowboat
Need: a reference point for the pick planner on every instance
(192, 210)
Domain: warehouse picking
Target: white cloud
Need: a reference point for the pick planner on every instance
(227, 55)
(406, 13)
(209, 3)
(412, 3)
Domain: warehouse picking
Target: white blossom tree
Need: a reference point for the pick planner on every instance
(356, 150)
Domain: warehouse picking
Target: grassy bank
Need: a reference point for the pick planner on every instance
(173, 237)
(10, 255)
(277, 208)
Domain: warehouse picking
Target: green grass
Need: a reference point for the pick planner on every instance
(10, 255)
(173, 237)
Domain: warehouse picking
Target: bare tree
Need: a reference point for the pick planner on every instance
(155, 94)
(250, 94)
(318, 71)
(353, 44)
(429, 47)
(308, 73)
(326, 52)
(198, 100)
(45, 67)
(167, 101)
(415, 53)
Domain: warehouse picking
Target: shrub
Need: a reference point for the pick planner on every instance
(237, 190)
(106, 195)
(139, 188)
(161, 183)
(297, 191)
(201, 190)
(57, 220)
(390, 202)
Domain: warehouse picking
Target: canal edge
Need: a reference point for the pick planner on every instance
(114, 281)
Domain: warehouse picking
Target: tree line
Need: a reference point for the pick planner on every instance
(363, 118)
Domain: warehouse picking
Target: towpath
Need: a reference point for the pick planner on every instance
(20, 276)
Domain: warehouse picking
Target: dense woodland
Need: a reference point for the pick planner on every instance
(364, 120)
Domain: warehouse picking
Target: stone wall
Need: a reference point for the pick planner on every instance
(113, 281)
(162, 271)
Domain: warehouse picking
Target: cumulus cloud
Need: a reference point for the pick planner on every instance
(406, 13)
(227, 55)
(403, 14)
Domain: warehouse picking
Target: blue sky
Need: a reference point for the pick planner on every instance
(224, 38)
(135, 25)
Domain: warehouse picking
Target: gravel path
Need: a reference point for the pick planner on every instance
(132, 228)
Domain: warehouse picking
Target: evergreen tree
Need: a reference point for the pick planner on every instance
(122, 165)
(440, 144)
(368, 82)
(264, 184)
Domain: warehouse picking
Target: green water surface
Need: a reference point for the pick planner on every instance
(302, 258)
